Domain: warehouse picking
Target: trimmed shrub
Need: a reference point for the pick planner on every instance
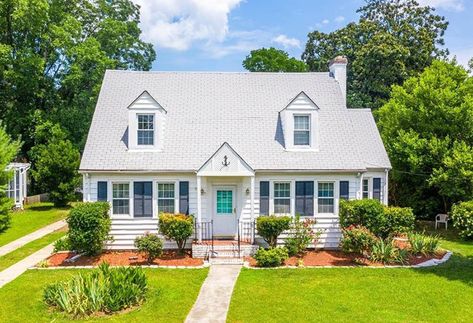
(357, 239)
(301, 235)
(272, 257)
(386, 252)
(383, 221)
(422, 244)
(462, 217)
(62, 244)
(151, 245)
(177, 227)
(89, 226)
(270, 227)
(104, 289)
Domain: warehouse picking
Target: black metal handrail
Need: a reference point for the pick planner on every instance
(203, 231)
(246, 233)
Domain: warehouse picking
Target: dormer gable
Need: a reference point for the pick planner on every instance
(146, 122)
(225, 161)
(300, 123)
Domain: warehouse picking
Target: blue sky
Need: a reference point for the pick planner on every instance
(216, 35)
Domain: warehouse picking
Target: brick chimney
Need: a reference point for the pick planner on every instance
(338, 70)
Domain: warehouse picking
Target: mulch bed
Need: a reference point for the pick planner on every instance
(124, 258)
(339, 258)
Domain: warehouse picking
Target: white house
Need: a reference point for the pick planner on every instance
(16, 189)
(229, 147)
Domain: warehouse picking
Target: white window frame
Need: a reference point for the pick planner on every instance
(175, 198)
(308, 116)
(290, 197)
(369, 191)
(153, 131)
(327, 198)
(112, 198)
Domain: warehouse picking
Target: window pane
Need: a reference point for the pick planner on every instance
(282, 206)
(121, 190)
(224, 202)
(166, 205)
(282, 189)
(145, 121)
(145, 137)
(301, 123)
(121, 206)
(325, 205)
(166, 190)
(302, 138)
(325, 189)
(365, 189)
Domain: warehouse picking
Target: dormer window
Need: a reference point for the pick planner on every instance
(145, 129)
(302, 130)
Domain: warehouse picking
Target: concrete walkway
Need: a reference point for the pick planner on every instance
(215, 294)
(20, 267)
(32, 236)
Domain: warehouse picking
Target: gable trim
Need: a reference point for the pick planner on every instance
(225, 144)
(295, 98)
(139, 96)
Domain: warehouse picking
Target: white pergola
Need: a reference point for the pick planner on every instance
(16, 189)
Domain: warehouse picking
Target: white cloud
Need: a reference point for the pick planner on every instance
(339, 19)
(463, 55)
(455, 5)
(177, 24)
(238, 42)
(325, 21)
(287, 42)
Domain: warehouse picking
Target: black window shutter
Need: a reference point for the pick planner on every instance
(344, 190)
(143, 199)
(101, 191)
(305, 198)
(264, 198)
(184, 197)
(377, 188)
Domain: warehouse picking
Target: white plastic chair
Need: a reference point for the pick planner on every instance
(441, 219)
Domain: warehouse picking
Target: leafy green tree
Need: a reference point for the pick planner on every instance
(55, 163)
(392, 41)
(8, 151)
(53, 55)
(272, 60)
(427, 128)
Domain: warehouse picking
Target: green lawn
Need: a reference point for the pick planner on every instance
(32, 218)
(436, 294)
(28, 249)
(171, 294)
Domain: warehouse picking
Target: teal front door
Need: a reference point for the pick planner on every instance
(224, 215)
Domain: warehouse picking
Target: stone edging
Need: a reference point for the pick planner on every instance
(428, 263)
(205, 265)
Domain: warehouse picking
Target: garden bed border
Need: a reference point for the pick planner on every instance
(429, 263)
(205, 265)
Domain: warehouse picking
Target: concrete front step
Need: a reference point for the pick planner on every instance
(226, 261)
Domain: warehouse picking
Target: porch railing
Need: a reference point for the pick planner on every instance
(204, 232)
(246, 233)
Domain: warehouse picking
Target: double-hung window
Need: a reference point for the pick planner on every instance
(146, 129)
(301, 130)
(366, 188)
(325, 197)
(121, 198)
(282, 198)
(166, 197)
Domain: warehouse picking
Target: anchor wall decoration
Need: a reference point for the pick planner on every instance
(225, 162)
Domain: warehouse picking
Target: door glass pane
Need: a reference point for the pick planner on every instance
(224, 202)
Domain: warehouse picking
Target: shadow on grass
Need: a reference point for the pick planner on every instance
(457, 268)
(48, 207)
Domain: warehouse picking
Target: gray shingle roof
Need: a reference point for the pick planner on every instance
(207, 109)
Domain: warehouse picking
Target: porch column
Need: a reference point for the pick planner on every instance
(252, 201)
(199, 208)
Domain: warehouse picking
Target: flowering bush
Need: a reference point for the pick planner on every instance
(462, 216)
(177, 227)
(301, 235)
(270, 227)
(357, 239)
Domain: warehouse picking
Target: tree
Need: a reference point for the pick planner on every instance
(272, 60)
(56, 162)
(427, 128)
(8, 151)
(392, 41)
(53, 55)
